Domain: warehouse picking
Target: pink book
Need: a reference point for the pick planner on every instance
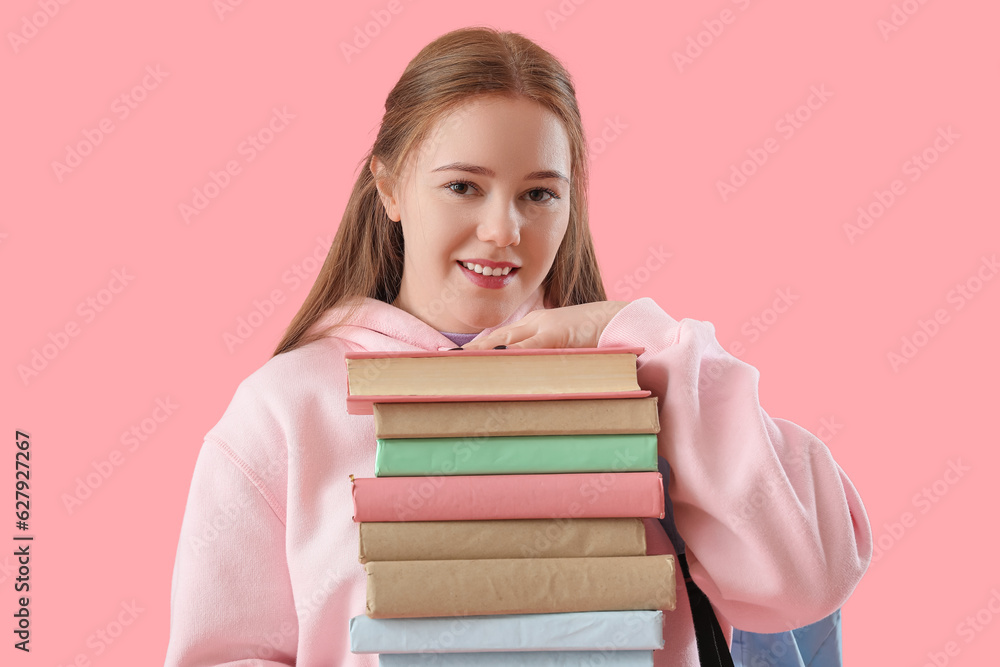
(486, 497)
(626, 386)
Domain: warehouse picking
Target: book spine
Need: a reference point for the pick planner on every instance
(490, 497)
(510, 373)
(500, 418)
(578, 631)
(466, 540)
(363, 405)
(516, 454)
(518, 586)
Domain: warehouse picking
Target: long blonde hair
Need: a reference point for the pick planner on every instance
(366, 257)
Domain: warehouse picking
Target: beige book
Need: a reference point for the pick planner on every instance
(500, 418)
(509, 538)
(494, 372)
(418, 589)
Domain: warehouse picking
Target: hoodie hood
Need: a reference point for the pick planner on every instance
(378, 325)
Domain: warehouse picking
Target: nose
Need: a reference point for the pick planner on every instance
(501, 225)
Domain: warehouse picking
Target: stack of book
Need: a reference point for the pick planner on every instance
(504, 521)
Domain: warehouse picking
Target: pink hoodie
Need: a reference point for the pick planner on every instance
(267, 569)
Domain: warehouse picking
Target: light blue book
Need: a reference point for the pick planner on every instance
(521, 659)
(572, 631)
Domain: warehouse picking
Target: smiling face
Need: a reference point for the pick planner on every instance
(489, 187)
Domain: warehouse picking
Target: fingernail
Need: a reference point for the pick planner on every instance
(500, 347)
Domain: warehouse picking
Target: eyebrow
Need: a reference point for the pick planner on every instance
(485, 171)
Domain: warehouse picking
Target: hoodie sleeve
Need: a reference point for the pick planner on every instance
(231, 599)
(776, 534)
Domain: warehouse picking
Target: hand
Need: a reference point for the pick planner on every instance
(570, 326)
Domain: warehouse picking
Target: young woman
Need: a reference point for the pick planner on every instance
(468, 226)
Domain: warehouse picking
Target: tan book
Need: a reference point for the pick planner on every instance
(493, 372)
(512, 538)
(419, 589)
(505, 418)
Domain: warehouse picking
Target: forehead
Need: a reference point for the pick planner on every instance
(499, 133)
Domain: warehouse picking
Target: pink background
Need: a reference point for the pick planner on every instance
(671, 133)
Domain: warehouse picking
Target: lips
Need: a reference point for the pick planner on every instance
(489, 282)
(495, 267)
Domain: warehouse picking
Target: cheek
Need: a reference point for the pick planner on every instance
(545, 240)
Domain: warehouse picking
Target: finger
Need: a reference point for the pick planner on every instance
(500, 336)
(514, 333)
(538, 341)
(480, 343)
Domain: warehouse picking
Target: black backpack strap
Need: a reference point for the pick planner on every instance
(712, 647)
(713, 651)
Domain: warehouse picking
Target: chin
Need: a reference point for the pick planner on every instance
(485, 316)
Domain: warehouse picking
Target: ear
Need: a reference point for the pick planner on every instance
(388, 199)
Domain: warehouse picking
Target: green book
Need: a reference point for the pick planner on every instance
(516, 454)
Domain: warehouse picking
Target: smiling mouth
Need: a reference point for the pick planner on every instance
(482, 270)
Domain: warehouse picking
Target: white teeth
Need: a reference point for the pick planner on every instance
(487, 271)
